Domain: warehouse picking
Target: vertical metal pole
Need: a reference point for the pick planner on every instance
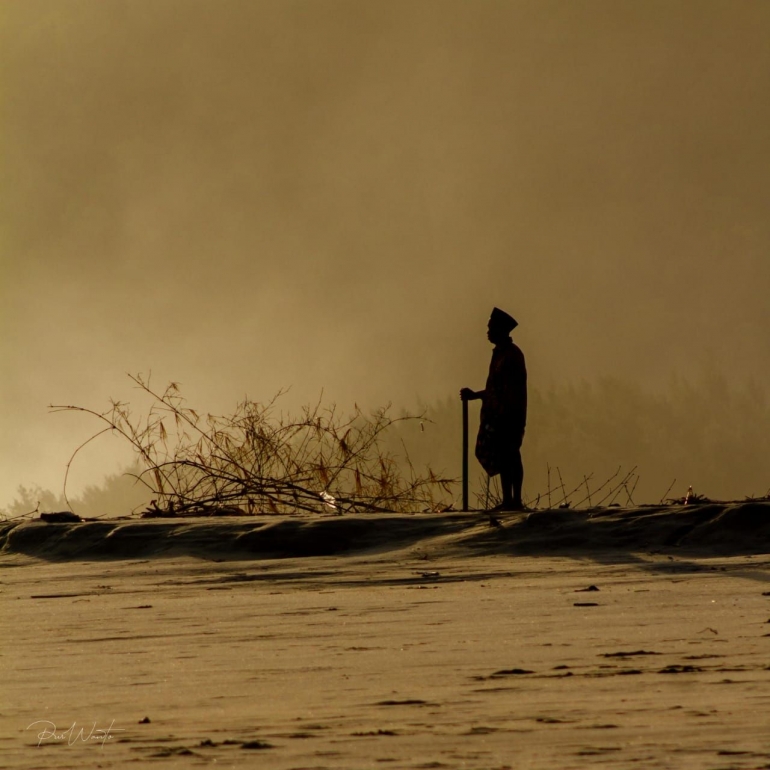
(465, 455)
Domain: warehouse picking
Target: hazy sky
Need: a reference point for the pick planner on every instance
(247, 195)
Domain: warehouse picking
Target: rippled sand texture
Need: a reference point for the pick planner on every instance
(411, 658)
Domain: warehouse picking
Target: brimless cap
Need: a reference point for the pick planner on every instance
(502, 320)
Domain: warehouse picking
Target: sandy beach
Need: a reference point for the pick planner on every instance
(636, 638)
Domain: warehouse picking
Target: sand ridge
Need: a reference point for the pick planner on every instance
(724, 528)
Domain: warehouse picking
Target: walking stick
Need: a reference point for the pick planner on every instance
(465, 455)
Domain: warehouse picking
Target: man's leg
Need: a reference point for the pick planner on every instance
(517, 480)
(512, 480)
(506, 482)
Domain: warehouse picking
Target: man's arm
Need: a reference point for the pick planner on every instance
(466, 394)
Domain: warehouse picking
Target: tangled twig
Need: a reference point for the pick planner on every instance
(255, 461)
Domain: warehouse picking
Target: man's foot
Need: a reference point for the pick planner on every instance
(510, 505)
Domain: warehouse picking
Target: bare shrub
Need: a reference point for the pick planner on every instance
(260, 460)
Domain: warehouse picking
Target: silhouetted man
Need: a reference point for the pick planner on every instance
(503, 411)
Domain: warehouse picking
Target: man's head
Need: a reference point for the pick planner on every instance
(500, 325)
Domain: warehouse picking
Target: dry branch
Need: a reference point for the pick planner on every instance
(255, 461)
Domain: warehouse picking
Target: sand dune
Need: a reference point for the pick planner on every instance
(622, 638)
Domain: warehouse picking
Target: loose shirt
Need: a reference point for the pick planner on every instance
(503, 409)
